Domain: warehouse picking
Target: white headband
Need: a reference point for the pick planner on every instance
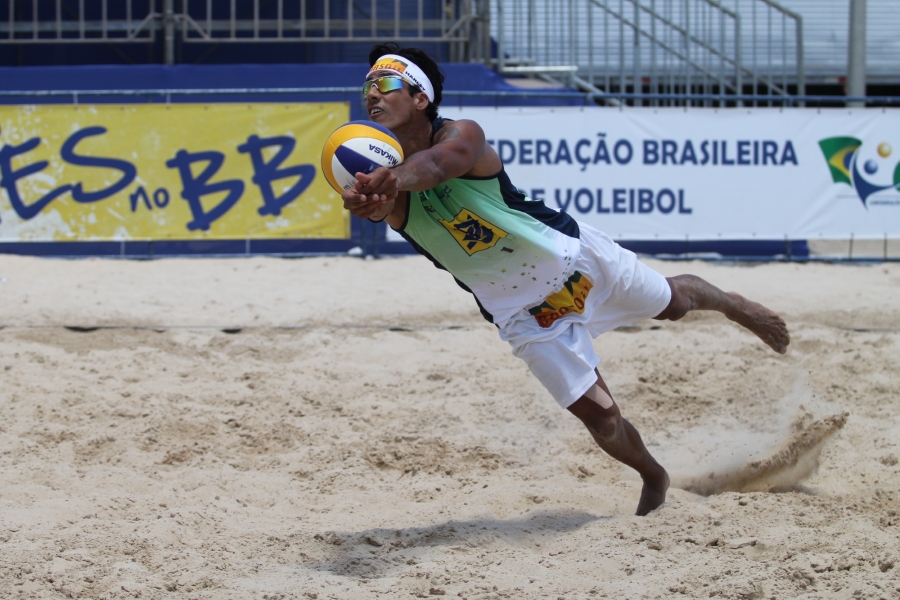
(407, 70)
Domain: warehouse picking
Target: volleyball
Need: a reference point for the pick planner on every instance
(358, 147)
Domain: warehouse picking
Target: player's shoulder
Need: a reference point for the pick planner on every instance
(449, 128)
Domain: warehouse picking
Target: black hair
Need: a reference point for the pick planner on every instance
(421, 60)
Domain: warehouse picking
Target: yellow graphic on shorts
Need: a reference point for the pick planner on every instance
(569, 299)
(472, 232)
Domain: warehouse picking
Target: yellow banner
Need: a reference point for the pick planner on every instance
(178, 172)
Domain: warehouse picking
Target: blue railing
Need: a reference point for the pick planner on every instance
(566, 96)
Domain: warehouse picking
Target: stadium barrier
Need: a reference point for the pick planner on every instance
(82, 186)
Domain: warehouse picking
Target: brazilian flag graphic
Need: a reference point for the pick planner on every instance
(839, 153)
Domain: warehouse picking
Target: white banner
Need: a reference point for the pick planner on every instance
(706, 174)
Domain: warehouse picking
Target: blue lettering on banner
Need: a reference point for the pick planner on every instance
(645, 201)
(140, 194)
(719, 152)
(669, 148)
(769, 150)
(9, 176)
(586, 160)
(619, 201)
(788, 154)
(542, 151)
(264, 173)
(586, 153)
(665, 201)
(687, 153)
(601, 154)
(525, 151)
(627, 146)
(195, 188)
(579, 195)
(563, 206)
(651, 152)
(506, 145)
(624, 201)
(161, 198)
(562, 153)
(725, 160)
(67, 153)
(743, 153)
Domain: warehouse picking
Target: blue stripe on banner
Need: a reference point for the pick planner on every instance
(159, 248)
(756, 249)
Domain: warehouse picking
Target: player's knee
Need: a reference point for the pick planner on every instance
(605, 427)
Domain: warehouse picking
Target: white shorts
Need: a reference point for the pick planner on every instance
(554, 339)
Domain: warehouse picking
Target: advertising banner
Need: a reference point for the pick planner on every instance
(167, 172)
(706, 174)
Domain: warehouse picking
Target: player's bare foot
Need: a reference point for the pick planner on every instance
(653, 494)
(766, 324)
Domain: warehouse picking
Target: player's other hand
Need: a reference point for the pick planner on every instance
(371, 206)
(380, 184)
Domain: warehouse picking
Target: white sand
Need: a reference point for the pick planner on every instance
(367, 435)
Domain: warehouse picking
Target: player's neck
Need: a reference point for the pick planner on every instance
(414, 136)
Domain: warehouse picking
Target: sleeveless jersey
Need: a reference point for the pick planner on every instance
(509, 251)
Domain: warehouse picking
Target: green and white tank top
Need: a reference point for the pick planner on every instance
(509, 251)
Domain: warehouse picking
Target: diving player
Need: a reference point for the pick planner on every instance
(549, 283)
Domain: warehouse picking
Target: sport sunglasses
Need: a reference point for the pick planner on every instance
(388, 83)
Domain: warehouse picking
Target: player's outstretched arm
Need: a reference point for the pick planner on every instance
(459, 149)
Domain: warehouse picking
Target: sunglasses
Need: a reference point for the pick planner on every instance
(388, 83)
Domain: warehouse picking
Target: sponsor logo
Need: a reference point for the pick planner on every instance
(383, 152)
(473, 233)
(569, 299)
(845, 158)
(391, 64)
(398, 66)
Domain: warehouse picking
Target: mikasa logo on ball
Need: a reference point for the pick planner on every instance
(385, 153)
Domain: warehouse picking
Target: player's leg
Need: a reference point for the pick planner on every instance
(618, 438)
(690, 292)
(566, 365)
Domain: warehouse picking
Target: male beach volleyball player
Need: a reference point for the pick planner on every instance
(548, 282)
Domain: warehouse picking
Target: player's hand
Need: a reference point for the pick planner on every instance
(365, 207)
(380, 184)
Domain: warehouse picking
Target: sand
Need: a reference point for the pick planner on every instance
(338, 428)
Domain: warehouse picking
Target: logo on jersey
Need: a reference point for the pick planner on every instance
(473, 233)
(569, 299)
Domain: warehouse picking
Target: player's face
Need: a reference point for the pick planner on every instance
(392, 107)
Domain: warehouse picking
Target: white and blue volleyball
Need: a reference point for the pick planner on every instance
(358, 147)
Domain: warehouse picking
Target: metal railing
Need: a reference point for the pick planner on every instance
(357, 20)
(674, 47)
(461, 24)
(564, 97)
(46, 22)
